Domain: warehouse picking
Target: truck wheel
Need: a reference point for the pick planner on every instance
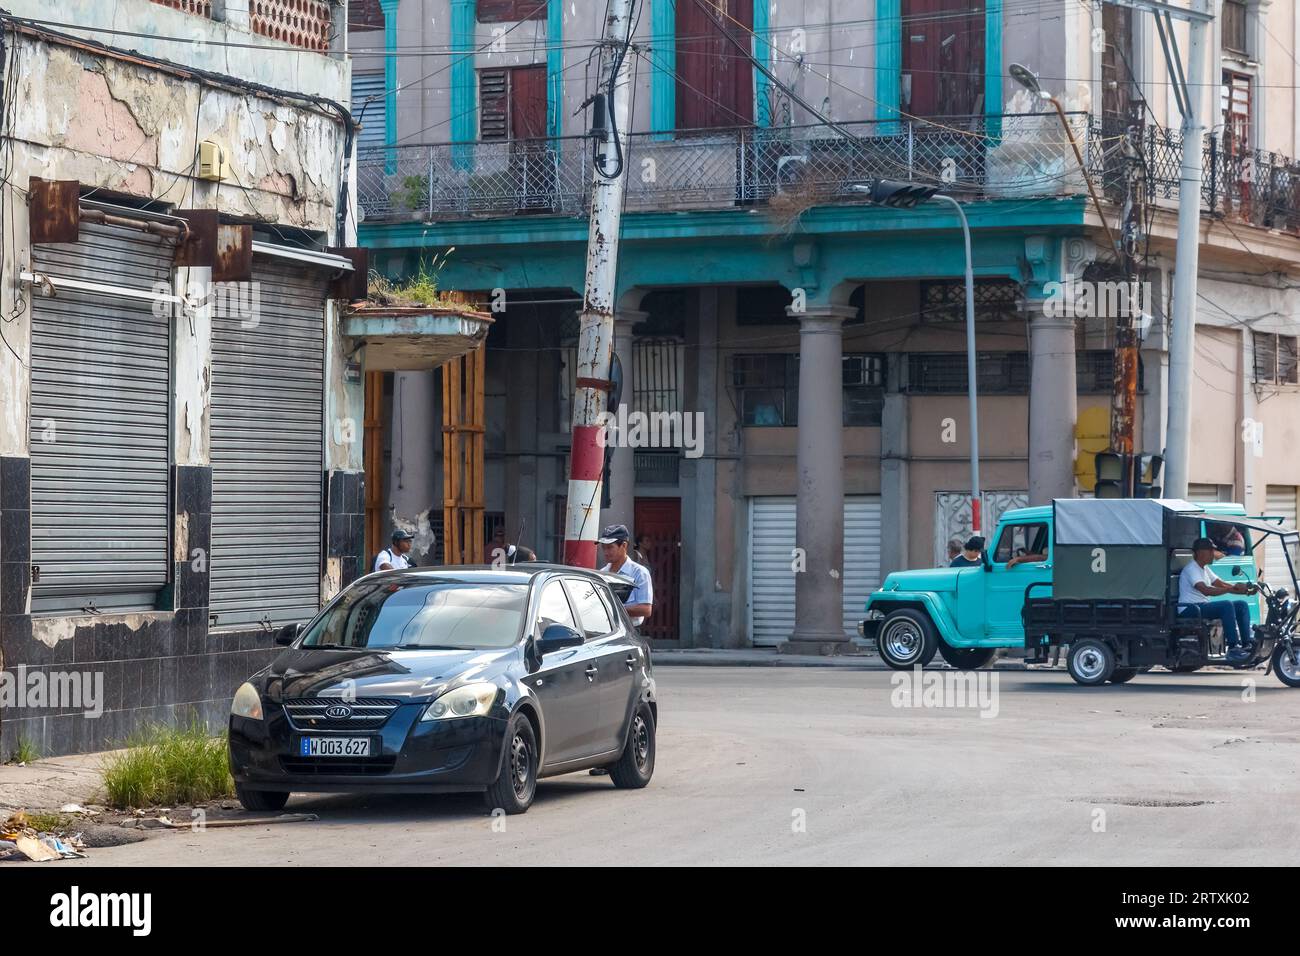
(966, 658)
(906, 639)
(1286, 669)
(1091, 662)
(1122, 675)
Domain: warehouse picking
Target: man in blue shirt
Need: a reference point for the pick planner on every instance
(640, 602)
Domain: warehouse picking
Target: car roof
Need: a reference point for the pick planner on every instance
(522, 573)
(1022, 514)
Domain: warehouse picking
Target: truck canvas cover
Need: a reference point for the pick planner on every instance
(1114, 549)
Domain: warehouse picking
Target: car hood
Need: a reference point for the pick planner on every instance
(412, 675)
(932, 579)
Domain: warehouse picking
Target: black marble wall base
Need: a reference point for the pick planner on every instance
(345, 533)
(133, 669)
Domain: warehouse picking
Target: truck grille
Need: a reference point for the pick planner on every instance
(366, 713)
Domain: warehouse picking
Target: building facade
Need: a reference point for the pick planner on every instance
(821, 339)
(181, 406)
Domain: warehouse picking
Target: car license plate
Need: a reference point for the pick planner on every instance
(334, 746)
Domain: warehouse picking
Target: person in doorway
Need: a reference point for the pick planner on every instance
(642, 553)
(395, 557)
(507, 553)
(1197, 584)
(972, 553)
(640, 601)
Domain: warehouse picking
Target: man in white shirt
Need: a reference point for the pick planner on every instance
(640, 602)
(395, 558)
(1197, 584)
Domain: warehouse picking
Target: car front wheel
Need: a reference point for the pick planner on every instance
(1091, 662)
(907, 639)
(967, 658)
(516, 784)
(636, 765)
(263, 800)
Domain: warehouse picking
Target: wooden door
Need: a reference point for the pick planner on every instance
(943, 57)
(660, 520)
(715, 80)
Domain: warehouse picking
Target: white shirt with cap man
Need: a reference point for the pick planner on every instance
(394, 559)
(640, 602)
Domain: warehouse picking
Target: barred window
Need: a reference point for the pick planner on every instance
(940, 373)
(996, 300)
(767, 388)
(1276, 359)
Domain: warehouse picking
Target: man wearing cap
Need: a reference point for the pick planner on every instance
(395, 558)
(970, 556)
(1197, 584)
(640, 602)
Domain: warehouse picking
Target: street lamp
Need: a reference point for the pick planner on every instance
(900, 195)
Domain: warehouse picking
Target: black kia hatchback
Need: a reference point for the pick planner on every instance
(451, 679)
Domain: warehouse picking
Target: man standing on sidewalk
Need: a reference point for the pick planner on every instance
(640, 602)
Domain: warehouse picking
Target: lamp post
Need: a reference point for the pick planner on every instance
(1123, 407)
(900, 195)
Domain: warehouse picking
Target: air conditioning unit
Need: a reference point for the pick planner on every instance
(790, 172)
(213, 165)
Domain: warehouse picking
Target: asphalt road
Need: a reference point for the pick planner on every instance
(817, 766)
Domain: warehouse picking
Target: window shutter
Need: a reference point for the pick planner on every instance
(1287, 360)
(494, 104)
(1265, 357)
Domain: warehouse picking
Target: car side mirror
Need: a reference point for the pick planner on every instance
(288, 634)
(557, 637)
(1236, 571)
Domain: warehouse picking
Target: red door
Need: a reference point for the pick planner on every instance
(715, 81)
(659, 530)
(943, 57)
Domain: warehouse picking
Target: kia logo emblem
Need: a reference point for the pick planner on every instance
(338, 711)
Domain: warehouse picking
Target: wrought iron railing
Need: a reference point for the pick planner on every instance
(788, 167)
(1251, 186)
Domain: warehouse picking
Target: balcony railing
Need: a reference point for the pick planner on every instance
(793, 168)
(1245, 185)
(790, 168)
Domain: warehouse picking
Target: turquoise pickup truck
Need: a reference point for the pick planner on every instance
(967, 614)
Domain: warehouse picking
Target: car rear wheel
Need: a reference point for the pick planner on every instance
(264, 800)
(1286, 669)
(1091, 662)
(637, 764)
(1122, 675)
(907, 639)
(516, 784)
(967, 658)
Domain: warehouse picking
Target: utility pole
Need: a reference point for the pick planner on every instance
(1123, 410)
(1182, 342)
(596, 323)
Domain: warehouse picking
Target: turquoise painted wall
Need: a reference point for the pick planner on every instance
(889, 58)
(663, 60)
(464, 96)
(555, 67)
(389, 7)
(763, 54)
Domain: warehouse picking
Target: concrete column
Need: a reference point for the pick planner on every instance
(819, 508)
(622, 466)
(1155, 369)
(894, 474)
(1053, 406)
(414, 488)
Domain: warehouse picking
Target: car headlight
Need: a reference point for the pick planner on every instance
(247, 703)
(472, 700)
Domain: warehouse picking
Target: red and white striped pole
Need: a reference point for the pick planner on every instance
(596, 323)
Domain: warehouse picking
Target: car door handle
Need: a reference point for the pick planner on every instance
(591, 672)
(631, 662)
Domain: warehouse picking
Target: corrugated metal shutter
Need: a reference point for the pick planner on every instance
(100, 425)
(268, 395)
(368, 93)
(1208, 494)
(771, 580)
(1281, 501)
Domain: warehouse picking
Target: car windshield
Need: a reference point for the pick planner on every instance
(459, 615)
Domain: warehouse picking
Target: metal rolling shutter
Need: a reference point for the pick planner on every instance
(771, 580)
(1281, 501)
(268, 395)
(1207, 494)
(101, 390)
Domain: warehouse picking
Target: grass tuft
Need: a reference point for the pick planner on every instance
(164, 766)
